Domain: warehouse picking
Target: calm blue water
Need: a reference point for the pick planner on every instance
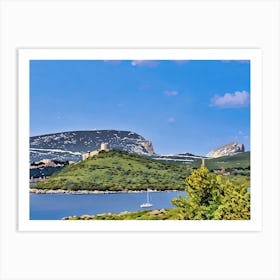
(57, 206)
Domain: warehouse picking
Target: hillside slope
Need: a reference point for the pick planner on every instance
(238, 161)
(115, 171)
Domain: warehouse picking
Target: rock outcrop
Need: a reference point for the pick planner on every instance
(227, 150)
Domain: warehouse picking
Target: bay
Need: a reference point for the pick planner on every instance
(57, 206)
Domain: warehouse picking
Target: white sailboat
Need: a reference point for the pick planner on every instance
(147, 204)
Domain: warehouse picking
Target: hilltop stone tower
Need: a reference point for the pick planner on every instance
(104, 147)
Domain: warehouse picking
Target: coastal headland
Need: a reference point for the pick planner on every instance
(115, 171)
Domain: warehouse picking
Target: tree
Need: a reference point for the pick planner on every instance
(235, 203)
(210, 197)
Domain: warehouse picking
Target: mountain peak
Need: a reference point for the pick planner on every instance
(229, 149)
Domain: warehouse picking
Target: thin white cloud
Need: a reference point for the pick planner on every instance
(171, 120)
(231, 100)
(243, 61)
(171, 92)
(145, 63)
(237, 61)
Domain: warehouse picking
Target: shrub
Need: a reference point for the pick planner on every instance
(209, 197)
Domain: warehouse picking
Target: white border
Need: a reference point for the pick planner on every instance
(254, 55)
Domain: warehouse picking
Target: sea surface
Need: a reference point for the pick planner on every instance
(57, 206)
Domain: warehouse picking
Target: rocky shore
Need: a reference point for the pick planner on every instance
(148, 214)
(60, 191)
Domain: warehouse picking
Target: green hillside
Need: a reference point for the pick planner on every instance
(115, 171)
(237, 163)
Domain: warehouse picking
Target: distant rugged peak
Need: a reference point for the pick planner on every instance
(229, 149)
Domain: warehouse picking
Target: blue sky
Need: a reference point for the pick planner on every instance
(181, 106)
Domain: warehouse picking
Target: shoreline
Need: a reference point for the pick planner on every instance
(153, 212)
(60, 191)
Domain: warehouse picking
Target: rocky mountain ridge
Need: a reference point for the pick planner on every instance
(69, 146)
(227, 150)
(72, 144)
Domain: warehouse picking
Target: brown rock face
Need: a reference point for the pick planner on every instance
(149, 146)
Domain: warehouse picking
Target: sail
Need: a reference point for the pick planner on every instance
(147, 204)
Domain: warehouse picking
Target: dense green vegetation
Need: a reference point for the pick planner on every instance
(115, 171)
(213, 197)
(238, 164)
(164, 214)
(209, 197)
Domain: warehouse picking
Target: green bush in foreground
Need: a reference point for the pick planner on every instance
(211, 197)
